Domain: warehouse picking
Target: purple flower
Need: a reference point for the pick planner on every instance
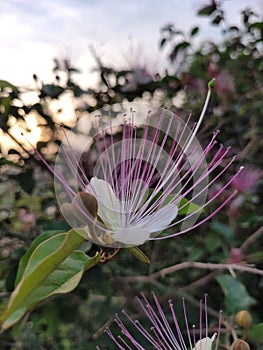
(245, 184)
(160, 334)
(247, 179)
(150, 179)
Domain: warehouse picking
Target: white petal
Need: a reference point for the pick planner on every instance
(131, 236)
(205, 343)
(103, 192)
(160, 219)
(109, 206)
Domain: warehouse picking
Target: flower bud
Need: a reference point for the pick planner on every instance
(243, 319)
(211, 83)
(84, 200)
(241, 344)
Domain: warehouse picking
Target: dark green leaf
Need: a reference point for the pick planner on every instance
(212, 242)
(51, 90)
(233, 29)
(139, 254)
(257, 25)
(218, 18)
(5, 102)
(223, 229)
(207, 10)
(23, 262)
(256, 257)
(194, 31)
(163, 41)
(27, 181)
(236, 295)
(13, 151)
(179, 47)
(255, 333)
(52, 268)
(10, 281)
(74, 70)
(187, 207)
(5, 84)
(184, 207)
(183, 45)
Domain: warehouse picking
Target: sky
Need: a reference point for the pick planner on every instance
(32, 33)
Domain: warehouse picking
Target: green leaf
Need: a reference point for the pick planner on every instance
(218, 18)
(194, 31)
(23, 262)
(163, 41)
(255, 257)
(187, 207)
(195, 253)
(5, 84)
(27, 181)
(184, 207)
(212, 241)
(236, 295)
(255, 333)
(51, 90)
(53, 267)
(13, 151)
(179, 47)
(207, 10)
(233, 29)
(225, 230)
(256, 25)
(139, 254)
(5, 102)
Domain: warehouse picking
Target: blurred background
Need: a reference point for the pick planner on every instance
(61, 60)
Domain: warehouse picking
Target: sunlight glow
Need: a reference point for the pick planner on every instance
(30, 129)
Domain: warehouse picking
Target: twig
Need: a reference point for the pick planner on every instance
(252, 238)
(96, 335)
(200, 281)
(194, 264)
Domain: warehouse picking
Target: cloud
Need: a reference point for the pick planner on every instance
(33, 32)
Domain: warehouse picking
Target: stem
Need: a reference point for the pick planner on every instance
(199, 121)
(251, 238)
(194, 264)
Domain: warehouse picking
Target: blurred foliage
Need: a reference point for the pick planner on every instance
(28, 206)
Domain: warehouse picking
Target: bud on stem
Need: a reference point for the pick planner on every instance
(211, 84)
(241, 344)
(243, 319)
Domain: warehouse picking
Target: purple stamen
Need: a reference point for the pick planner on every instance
(200, 322)
(160, 335)
(186, 323)
(141, 183)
